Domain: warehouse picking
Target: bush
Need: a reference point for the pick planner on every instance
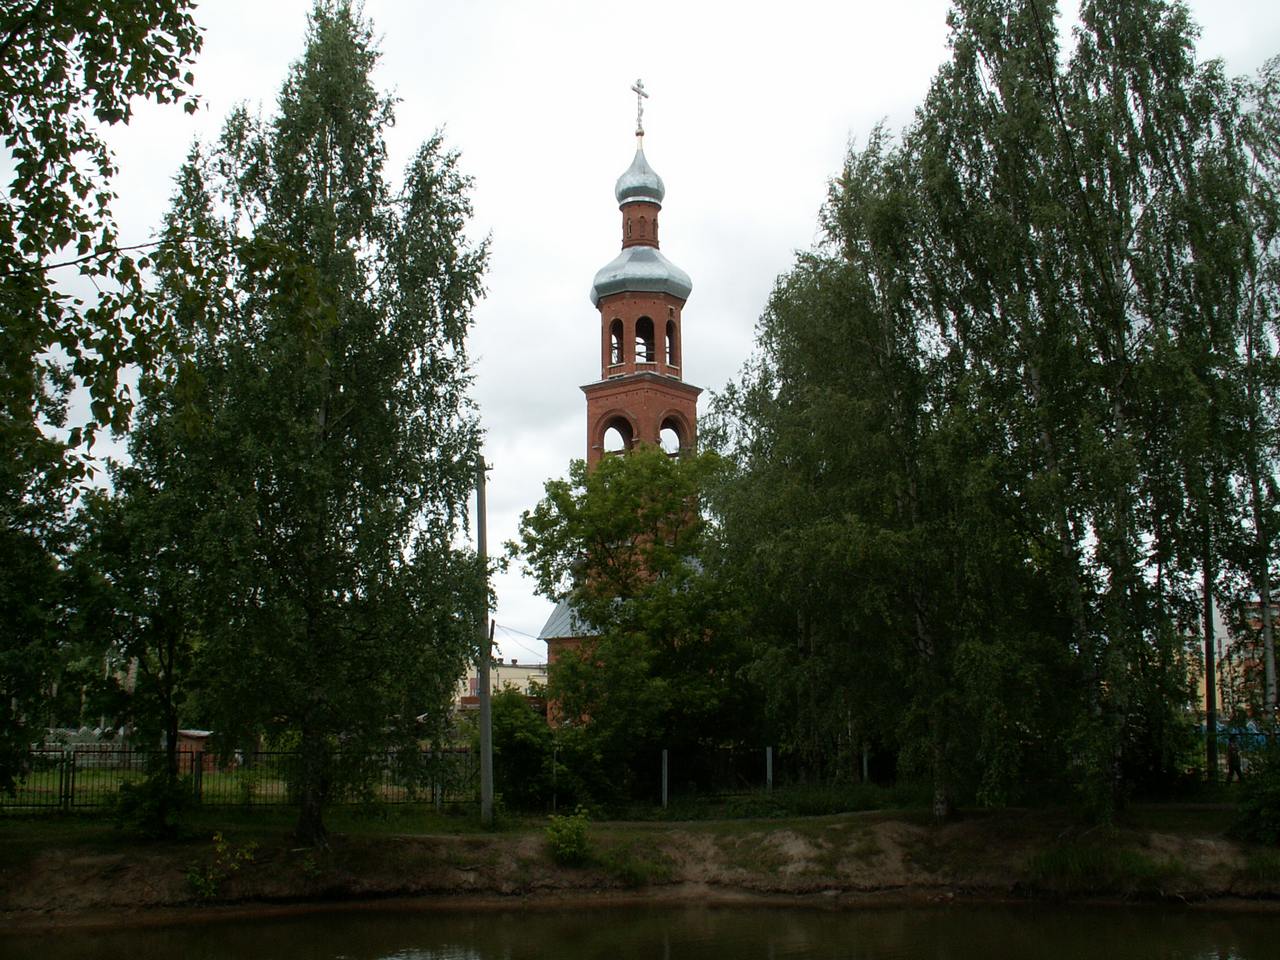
(1258, 813)
(567, 839)
(206, 879)
(155, 807)
(522, 752)
(634, 867)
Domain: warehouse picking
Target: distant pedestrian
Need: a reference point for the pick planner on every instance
(1233, 759)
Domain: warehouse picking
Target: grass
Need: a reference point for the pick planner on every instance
(98, 829)
(636, 863)
(1178, 817)
(1262, 867)
(800, 800)
(1080, 869)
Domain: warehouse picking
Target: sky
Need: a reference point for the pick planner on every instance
(752, 108)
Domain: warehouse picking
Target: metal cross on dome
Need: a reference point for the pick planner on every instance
(641, 97)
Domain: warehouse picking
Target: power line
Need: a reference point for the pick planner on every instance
(537, 655)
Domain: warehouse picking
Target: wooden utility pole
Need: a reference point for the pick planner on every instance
(485, 629)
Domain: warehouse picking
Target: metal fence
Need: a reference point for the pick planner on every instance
(90, 776)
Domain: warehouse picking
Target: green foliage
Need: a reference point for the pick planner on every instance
(664, 666)
(1014, 416)
(133, 565)
(567, 838)
(1085, 869)
(522, 752)
(67, 71)
(1262, 867)
(1257, 816)
(155, 807)
(206, 878)
(634, 864)
(318, 437)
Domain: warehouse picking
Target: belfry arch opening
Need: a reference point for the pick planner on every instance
(644, 341)
(618, 436)
(671, 436)
(673, 354)
(615, 341)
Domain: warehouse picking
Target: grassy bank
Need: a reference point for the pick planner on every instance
(61, 866)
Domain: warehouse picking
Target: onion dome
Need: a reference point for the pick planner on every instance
(639, 182)
(642, 269)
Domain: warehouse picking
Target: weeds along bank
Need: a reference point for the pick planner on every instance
(61, 869)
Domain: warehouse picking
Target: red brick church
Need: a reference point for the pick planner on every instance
(640, 396)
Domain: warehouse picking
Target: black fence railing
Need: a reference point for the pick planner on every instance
(90, 776)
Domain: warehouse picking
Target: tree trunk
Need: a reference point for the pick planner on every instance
(942, 803)
(1262, 574)
(167, 669)
(1262, 578)
(1210, 670)
(310, 829)
(1268, 651)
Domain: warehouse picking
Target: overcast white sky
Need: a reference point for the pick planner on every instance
(752, 106)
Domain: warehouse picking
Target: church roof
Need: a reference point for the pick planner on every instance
(564, 622)
(639, 182)
(642, 269)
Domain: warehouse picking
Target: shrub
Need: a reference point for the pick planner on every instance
(522, 752)
(567, 839)
(633, 867)
(206, 879)
(1258, 813)
(154, 807)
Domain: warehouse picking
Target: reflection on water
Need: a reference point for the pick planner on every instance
(597, 933)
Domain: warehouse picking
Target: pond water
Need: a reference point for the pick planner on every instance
(716, 933)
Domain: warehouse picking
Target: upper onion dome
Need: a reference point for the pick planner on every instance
(639, 182)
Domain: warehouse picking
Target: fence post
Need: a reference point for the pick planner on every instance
(70, 800)
(664, 778)
(768, 768)
(62, 780)
(197, 775)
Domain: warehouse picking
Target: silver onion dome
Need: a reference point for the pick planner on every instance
(639, 182)
(641, 269)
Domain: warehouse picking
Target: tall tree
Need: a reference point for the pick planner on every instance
(625, 545)
(1257, 372)
(1055, 258)
(325, 414)
(67, 68)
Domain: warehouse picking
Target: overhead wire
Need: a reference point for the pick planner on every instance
(512, 634)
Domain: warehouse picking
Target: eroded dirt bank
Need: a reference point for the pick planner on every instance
(848, 859)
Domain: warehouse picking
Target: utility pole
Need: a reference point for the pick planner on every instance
(485, 628)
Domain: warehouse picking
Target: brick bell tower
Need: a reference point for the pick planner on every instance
(640, 396)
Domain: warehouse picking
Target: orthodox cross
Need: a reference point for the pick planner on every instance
(641, 96)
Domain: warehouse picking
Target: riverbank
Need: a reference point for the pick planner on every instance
(81, 874)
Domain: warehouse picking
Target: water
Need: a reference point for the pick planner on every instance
(737, 933)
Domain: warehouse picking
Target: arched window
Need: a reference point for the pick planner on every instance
(669, 437)
(643, 227)
(617, 435)
(673, 357)
(628, 228)
(644, 341)
(615, 341)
